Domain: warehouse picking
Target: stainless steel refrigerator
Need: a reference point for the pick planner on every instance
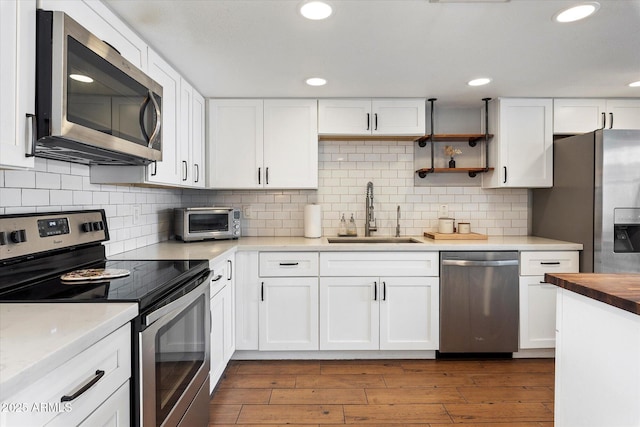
(595, 199)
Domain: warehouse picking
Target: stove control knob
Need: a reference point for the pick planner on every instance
(3, 238)
(87, 227)
(18, 236)
(98, 225)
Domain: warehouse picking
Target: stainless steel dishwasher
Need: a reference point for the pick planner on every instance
(479, 302)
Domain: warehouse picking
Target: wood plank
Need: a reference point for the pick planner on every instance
(398, 414)
(231, 396)
(420, 395)
(523, 379)
(340, 381)
(519, 365)
(379, 367)
(291, 414)
(454, 236)
(311, 396)
(507, 424)
(498, 412)
(223, 414)
(506, 394)
(442, 366)
(258, 381)
(428, 380)
(279, 367)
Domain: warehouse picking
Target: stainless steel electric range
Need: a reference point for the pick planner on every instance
(59, 257)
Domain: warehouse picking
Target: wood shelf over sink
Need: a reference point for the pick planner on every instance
(471, 171)
(472, 138)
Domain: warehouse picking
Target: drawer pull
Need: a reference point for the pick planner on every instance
(87, 386)
(375, 291)
(288, 264)
(218, 277)
(262, 291)
(550, 263)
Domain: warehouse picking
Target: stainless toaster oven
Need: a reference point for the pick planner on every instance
(203, 223)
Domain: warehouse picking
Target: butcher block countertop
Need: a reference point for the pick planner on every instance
(618, 290)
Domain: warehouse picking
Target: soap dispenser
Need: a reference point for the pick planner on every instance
(342, 231)
(351, 228)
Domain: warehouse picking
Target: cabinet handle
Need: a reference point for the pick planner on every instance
(368, 120)
(218, 277)
(197, 167)
(505, 174)
(288, 264)
(34, 138)
(266, 178)
(549, 262)
(262, 291)
(259, 176)
(610, 120)
(66, 398)
(154, 168)
(384, 291)
(375, 291)
(185, 167)
(230, 270)
(375, 116)
(604, 120)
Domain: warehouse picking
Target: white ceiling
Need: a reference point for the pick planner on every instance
(394, 48)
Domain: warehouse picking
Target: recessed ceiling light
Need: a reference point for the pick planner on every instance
(576, 13)
(81, 78)
(316, 10)
(479, 82)
(635, 84)
(316, 81)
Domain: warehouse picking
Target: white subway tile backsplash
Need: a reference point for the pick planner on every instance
(34, 197)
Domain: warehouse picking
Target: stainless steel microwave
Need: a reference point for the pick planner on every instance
(203, 223)
(92, 105)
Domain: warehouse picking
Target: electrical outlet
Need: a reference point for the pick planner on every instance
(137, 214)
(443, 211)
(247, 212)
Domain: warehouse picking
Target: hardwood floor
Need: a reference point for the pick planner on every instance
(433, 393)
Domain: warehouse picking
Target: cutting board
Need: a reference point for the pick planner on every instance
(455, 236)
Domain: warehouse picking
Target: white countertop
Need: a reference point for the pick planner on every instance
(211, 249)
(36, 338)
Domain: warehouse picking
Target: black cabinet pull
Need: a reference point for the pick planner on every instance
(505, 174)
(288, 264)
(262, 291)
(604, 120)
(230, 270)
(549, 262)
(368, 120)
(218, 277)
(376, 121)
(154, 168)
(384, 291)
(259, 175)
(610, 120)
(186, 167)
(266, 179)
(197, 166)
(375, 291)
(34, 136)
(66, 398)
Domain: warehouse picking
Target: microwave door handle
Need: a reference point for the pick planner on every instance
(156, 128)
(143, 108)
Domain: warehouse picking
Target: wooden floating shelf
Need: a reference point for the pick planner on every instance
(470, 137)
(471, 171)
(369, 138)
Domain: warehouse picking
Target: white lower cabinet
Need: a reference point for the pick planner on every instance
(114, 412)
(394, 311)
(538, 299)
(222, 319)
(289, 313)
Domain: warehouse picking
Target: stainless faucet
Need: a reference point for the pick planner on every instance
(370, 220)
(398, 222)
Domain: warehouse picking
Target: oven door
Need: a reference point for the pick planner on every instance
(174, 361)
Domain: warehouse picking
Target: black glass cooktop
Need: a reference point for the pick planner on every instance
(148, 280)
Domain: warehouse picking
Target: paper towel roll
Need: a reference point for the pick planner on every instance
(312, 221)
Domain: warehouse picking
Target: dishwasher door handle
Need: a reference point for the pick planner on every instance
(473, 263)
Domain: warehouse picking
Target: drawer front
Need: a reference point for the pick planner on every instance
(288, 264)
(539, 263)
(379, 264)
(111, 355)
(219, 277)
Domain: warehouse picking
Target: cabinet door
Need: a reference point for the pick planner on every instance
(573, 116)
(623, 114)
(398, 117)
(115, 411)
(229, 323)
(198, 167)
(291, 143)
(344, 116)
(185, 132)
(235, 143)
(289, 313)
(166, 171)
(247, 298)
(522, 148)
(218, 323)
(349, 313)
(537, 313)
(17, 81)
(409, 315)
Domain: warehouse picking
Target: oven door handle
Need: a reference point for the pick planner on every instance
(178, 304)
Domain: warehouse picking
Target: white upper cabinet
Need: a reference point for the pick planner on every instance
(17, 82)
(371, 116)
(580, 115)
(104, 24)
(521, 151)
(191, 136)
(262, 144)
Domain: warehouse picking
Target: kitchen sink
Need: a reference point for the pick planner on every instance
(372, 240)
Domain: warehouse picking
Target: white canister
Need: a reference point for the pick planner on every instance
(445, 225)
(464, 228)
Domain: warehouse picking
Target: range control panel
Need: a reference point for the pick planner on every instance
(27, 234)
